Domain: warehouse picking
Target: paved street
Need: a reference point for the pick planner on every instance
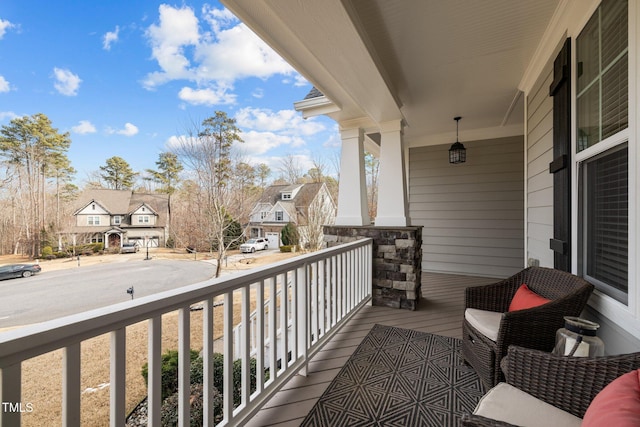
(53, 294)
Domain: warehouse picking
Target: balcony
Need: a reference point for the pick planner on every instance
(321, 298)
(310, 296)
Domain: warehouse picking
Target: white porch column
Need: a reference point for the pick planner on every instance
(392, 184)
(352, 198)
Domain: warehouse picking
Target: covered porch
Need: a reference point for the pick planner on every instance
(440, 312)
(322, 301)
(395, 76)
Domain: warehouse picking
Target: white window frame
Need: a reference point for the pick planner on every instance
(626, 316)
(117, 220)
(279, 216)
(93, 220)
(144, 219)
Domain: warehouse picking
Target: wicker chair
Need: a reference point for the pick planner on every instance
(568, 383)
(531, 328)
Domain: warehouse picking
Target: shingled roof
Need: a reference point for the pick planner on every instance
(298, 205)
(124, 202)
(314, 93)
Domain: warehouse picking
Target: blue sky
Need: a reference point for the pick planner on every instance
(126, 78)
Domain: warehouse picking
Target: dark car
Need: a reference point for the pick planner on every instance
(18, 270)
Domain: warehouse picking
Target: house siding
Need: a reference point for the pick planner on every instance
(472, 214)
(539, 180)
(620, 328)
(82, 220)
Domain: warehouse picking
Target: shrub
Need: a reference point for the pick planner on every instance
(218, 375)
(169, 372)
(170, 243)
(286, 248)
(169, 410)
(289, 235)
(170, 385)
(47, 252)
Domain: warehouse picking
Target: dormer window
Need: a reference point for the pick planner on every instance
(286, 196)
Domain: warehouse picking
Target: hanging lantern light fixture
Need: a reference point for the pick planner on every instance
(457, 152)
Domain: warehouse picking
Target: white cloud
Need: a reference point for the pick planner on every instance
(7, 115)
(207, 97)
(258, 143)
(4, 85)
(128, 130)
(304, 161)
(4, 26)
(288, 122)
(297, 80)
(84, 127)
(213, 52)
(177, 141)
(66, 83)
(258, 93)
(109, 38)
(178, 28)
(238, 53)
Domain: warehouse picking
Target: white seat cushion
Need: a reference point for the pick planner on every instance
(485, 322)
(507, 403)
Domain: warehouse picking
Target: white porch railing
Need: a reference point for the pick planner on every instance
(314, 294)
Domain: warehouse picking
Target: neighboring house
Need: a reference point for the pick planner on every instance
(308, 206)
(114, 217)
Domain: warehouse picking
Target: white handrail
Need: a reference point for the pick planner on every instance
(253, 321)
(326, 287)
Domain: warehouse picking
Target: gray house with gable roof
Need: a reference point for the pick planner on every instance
(114, 217)
(301, 204)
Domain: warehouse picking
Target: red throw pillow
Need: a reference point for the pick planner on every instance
(618, 404)
(526, 298)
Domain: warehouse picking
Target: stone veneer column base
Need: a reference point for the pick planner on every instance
(397, 257)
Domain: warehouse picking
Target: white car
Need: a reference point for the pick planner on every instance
(253, 245)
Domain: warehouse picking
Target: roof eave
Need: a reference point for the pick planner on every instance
(317, 106)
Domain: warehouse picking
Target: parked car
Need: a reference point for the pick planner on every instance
(253, 245)
(18, 270)
(129, 248)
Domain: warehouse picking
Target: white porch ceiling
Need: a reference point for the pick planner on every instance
(424, 61)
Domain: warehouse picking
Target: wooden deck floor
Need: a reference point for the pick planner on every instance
(440, 312)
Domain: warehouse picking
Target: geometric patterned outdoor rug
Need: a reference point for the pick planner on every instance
(399, 377)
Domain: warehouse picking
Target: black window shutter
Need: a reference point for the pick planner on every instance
(560, 167)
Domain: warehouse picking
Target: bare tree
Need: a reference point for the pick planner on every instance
(290, 169)
(205, 150)
(372, 168)
(321, 212)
